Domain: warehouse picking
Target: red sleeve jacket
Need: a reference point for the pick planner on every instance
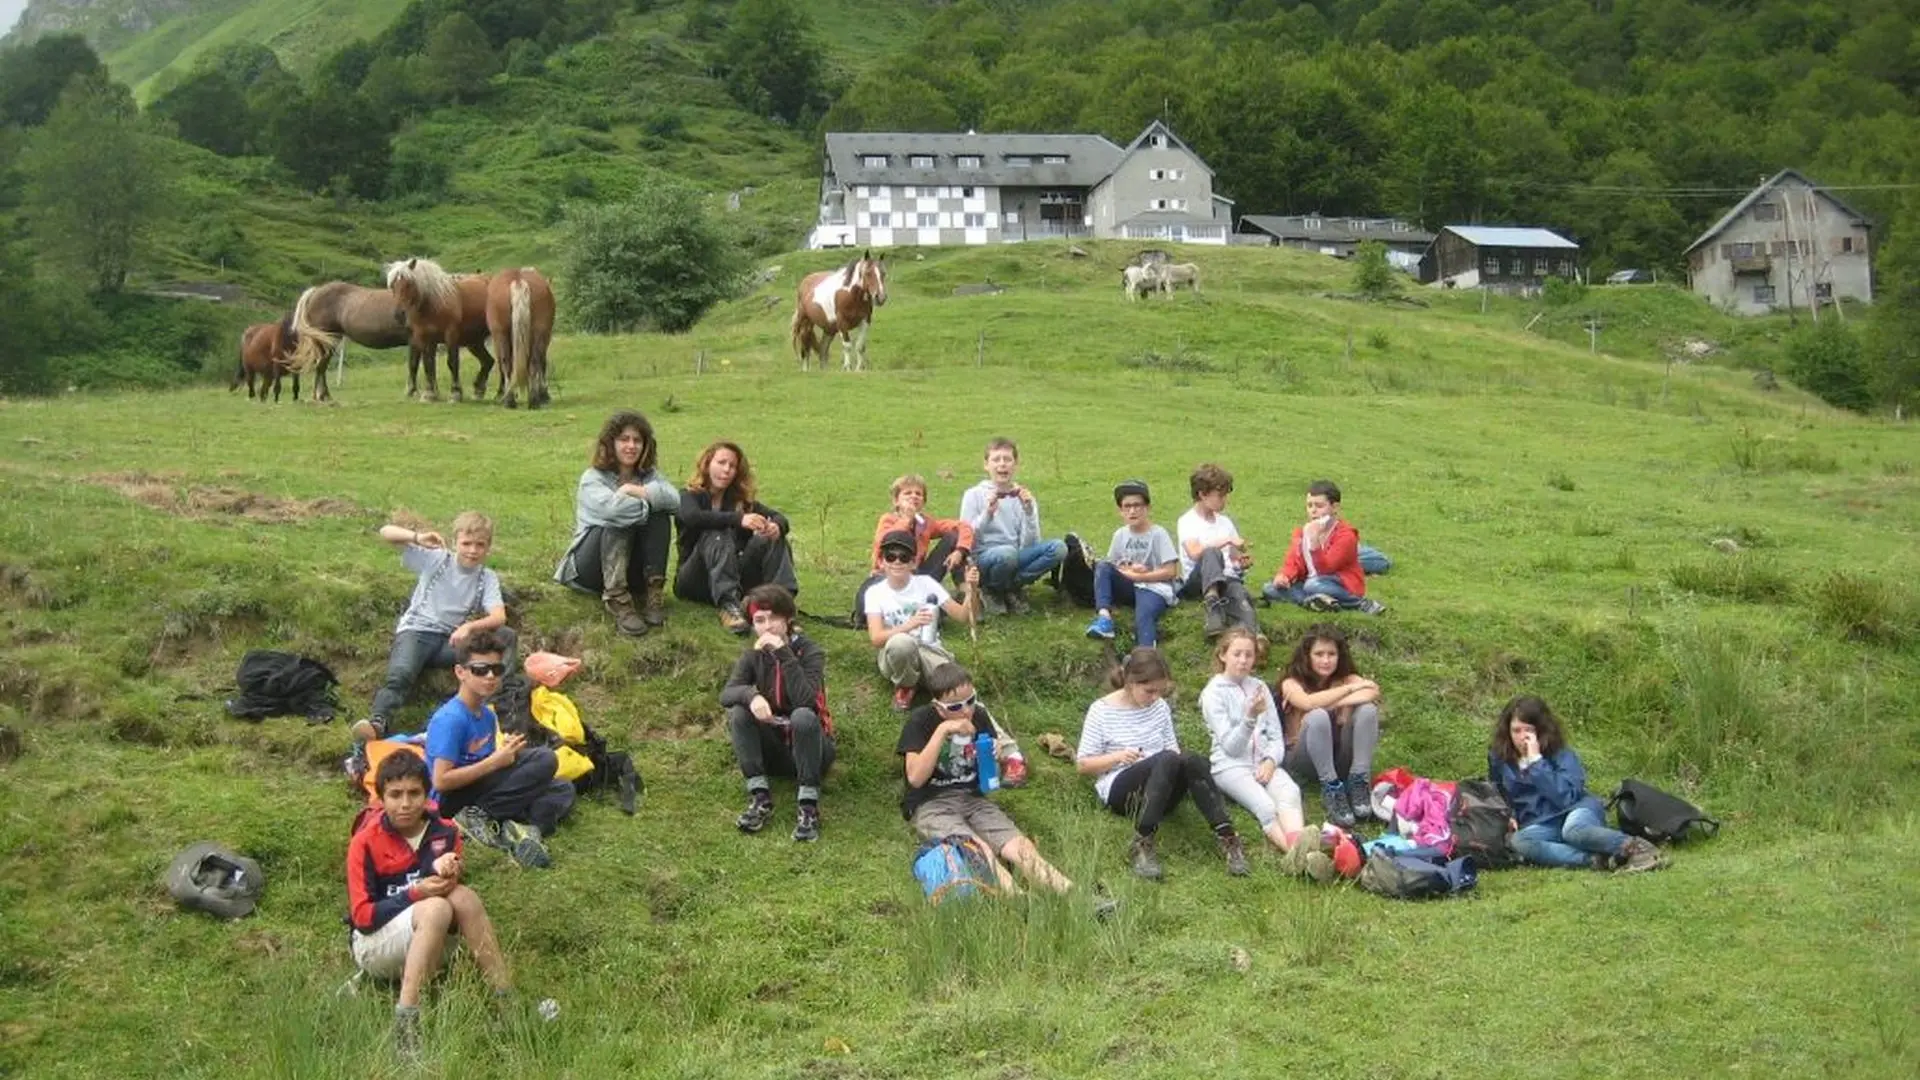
(1341, 558)
(382, 869)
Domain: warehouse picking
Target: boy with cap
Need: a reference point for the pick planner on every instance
(1139, 571)
(903, 616)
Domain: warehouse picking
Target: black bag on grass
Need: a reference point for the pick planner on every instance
(1645, 811)
(1074, 575)
(1416, 874)
(283, 684)
(1479, 819)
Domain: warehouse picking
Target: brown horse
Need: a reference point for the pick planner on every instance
(266, 354)
(520, 318)
(328, 316)
(442, 309)
(839, 302)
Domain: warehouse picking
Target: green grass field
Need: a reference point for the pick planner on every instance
(1552, 515)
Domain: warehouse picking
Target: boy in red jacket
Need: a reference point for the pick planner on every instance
(405, 897)
(1322, 568)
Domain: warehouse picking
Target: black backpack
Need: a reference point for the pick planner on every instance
(1074, 575)
(1479, 819)
(283, 684)
(1645, 811)
(1416, 874)
(613, 770)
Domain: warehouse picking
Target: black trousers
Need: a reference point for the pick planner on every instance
(1153, 786)
(650, 543)
(718, 570)
(525, 791)
(759, 747)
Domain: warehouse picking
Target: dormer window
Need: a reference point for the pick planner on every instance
(1401, 226)
(1054, 159)
(969, 161)
(1019, 161)
(1311, 223)
(1159, 142)
(1357, 224)
(873, 161)
(923, 161)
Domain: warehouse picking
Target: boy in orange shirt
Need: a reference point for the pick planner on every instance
(942, 546)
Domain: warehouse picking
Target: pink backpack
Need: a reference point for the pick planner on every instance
(1422, 812)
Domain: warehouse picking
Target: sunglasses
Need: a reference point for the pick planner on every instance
(958, 707)
(486, 671)
(895, 555)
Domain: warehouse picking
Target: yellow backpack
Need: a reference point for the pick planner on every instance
(557, 713)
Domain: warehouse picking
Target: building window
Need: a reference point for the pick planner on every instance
(1157, 204)
(1519, 268)
(1019, 161)
(1763, 294)
(1013, 217)
(1766, 211)
(909, 192)
(927, 221)
(1566, 268)
(1491, 266)
(969, 161)
(862, 191)
(1401, 226)
(1179, 204)
(976, 221)
(1823, 290)
(922, 161)
(1176, 174)
(1156, 174)
(1311, 223)
(1745, 251)
(1160, 141)
(874, 161)
(877, 220)
(1846, 246)
(1054, 159)
(1540, 267)
(966, 192)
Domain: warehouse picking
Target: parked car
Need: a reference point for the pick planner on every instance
(1630, 277)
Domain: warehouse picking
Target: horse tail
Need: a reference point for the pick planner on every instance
(240, 369)
(520, 333)
(312, 346)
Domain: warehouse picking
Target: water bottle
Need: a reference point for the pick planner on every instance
(930, 634)
(983, 762)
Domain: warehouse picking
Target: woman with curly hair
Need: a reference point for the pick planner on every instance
(622, 525)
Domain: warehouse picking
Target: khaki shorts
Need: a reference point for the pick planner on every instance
(968, 814)
(383, 953)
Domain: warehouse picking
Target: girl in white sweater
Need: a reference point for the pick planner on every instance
(1248, 742)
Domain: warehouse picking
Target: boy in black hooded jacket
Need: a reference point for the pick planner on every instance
(776, 702)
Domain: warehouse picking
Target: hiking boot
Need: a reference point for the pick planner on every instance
(625, 620)
(1357, 801)
(1216, 621)
(478, 828)
(733, 618)
(614, 558)
(1371, 607)
(1639, 855)
(1101, 627)
(631, 788)
(1017, 601)
(1333, 799)
(406, 1032)
(993, 602)
(902, 698)
(654, 605)
(1013, 771)
(524, 844)
(1322, 602)
(1235, 850)
(366, 731)
(806, 829)
(1146, 863)
(1318, 866)
(755, 817)
(1104, 906)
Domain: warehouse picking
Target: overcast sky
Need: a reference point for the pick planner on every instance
(10, 13)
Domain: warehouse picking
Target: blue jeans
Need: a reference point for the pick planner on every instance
(1317, 585)
(1110, 586)
(413, 652)
(1006, 567)
(1570, 840)
(1374, 561)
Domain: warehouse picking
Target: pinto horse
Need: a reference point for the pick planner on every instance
(328, 316)
(520, 318)
(839, 302)
(442, 309)
(266, 354)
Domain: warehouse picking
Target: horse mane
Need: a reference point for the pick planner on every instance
(423, 285)
(311, 345)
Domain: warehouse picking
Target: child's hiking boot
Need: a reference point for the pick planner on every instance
(1371, 607)
(1322, 602)
(1146, 862)
(654, 609)
(993, 602)
(478, 828)
(1101, 627)
(1333, 799)
(631, 787)
(1216, 621)
(406, 1031)
(1017, 601)
(524, 844)
(625, 620)
(758, 813)
(368, 730)
(902, 698)
(733, 618)
(1357, 802)
(1639, 855)
(806, 829)
(1235, 849)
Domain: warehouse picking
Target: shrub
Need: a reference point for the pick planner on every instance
(1373, 276)
(1827, 360)
(1559, 292)
(1862, 608)
(655, 262)
(1737, 577)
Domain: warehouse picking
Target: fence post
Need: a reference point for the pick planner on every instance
(700, 362)
(980, 351)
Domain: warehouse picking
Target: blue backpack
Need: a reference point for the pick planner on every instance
(954, 867)
(1416, 874)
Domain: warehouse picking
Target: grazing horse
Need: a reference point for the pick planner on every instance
(839, 302)
(520, 318)
(327, 317)
(266, 354)
(1136, 280)
(443, 309)
(1171, 275)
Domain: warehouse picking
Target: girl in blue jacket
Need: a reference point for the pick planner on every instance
(1556, 822)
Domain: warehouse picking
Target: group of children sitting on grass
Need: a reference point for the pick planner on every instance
(1318, 721)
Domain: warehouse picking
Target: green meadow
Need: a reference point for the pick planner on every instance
(1712, 582)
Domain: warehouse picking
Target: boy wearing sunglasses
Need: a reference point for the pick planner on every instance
(500, 791)
(903, 616)
(943, 797)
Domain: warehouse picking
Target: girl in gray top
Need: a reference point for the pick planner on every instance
(623, 526)
(1249, 745)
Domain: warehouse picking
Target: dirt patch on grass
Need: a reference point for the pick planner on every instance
(163, 492)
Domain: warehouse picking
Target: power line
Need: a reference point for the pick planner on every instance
(1689, 192)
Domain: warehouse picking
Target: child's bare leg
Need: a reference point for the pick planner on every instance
(431, 917)
(1021, 853)
(477, 929)
(1279, 837)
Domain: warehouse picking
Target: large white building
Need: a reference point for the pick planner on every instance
(1789, 243)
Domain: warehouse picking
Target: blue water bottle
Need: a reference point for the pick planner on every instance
(984, 763)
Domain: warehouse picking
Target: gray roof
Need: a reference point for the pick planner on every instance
(1754, 196)
(1337, 230)
(1090, 158)
(1506, 236)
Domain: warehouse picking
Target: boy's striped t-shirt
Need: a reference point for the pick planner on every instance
(1110, 727)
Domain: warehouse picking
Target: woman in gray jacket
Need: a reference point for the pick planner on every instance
(623, 526)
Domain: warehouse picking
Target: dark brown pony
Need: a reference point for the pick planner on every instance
(266, 354)
(442, 309)
(328, 316)
(520, 318)
(839, 302)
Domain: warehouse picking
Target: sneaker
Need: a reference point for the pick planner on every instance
(478, 828)
(1017, 601)
(631, 788)
(1639, 855)
(524, 844)
(1372, 607)
(1216, 621)
(733, 618)
(993, 602)
(653, 610)
(902, 698)
(1357, 803)
(406, 1032)
(1322, 602)
(368, 730)
(1101, 627)
(807, 828)
(1235, 850)
(759, 811)
(1013, 771)
(1146, 863)
(1333, 799)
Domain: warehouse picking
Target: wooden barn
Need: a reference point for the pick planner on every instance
(1501, 258)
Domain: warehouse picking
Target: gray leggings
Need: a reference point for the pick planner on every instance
(1263, 801)
(1336, 750)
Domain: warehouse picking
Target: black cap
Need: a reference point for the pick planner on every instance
(899, 538)
(1130, 487)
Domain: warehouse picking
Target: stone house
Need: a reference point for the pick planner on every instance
(1788, 244)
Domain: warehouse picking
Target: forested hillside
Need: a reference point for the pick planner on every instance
(467, 126)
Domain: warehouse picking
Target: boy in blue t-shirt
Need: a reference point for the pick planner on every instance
(500, 791)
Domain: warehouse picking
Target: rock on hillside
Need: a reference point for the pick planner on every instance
(105, 23)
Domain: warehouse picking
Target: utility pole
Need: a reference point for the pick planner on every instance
(1787, 200)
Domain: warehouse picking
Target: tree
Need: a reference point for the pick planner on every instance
(33, 78)
(97, 181)
(891, 102)
(1827, 360)
(458, 60)
(657, 262)
(208, 109)
(332, 134)
(1373, 275)
(1893, 332)
(770, 61)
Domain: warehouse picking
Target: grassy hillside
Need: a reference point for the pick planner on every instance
(1552, 515)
